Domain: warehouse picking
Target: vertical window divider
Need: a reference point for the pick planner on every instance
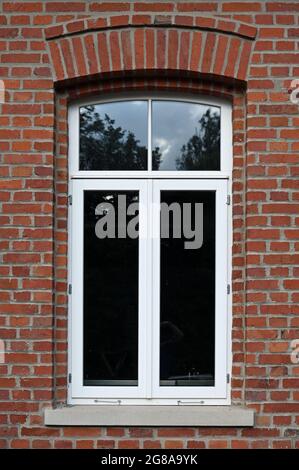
(149, 302)
(155, 286)
(149, 136)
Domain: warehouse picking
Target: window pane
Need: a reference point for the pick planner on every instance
(113, 136)
(110, 289)
(187, 299)
(186, 136)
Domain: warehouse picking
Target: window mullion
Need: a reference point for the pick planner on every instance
(149, 136)
(155, 287)
(149, 293)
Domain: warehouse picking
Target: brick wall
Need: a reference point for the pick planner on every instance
(33, 231)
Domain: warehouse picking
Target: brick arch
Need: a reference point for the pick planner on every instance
(105, 47)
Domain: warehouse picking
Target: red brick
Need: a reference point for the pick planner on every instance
(91, 54)
(244, 59)
(205, 22)
(85, 444)
(110, 6)
(119, 20)
(221, 48)
(68, 57)
(115, 51)
(80, 432)
(46, 432)
(184, 20)
(184, 51)
(126, 49)
(115, 432)
(27, 7)
(195, 6)
(150, 49)
(241, 6)
(103, 52)
(8, 32)
(208, 52)
(161, 48)
(63, 444)
(271, 32)
(128, 444)
(151, 444)
(57, 60)
(65, 6)
(20, 444)
(175, 432)
(217, 444)
(196, 444)
(174, 444)
(173, 50)
(196, 51)
(282, 6)
(165, 6)
(233, 53)
(139, 48)
(141, 19)
(25, 58)
(247, 30)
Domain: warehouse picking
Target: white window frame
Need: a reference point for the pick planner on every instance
(225, 143)
(149, 183)
(78, 389)
(219, 390)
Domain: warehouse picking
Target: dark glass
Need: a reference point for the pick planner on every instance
(110, 296)
(187, 299)
(185, 136)
(113, 136)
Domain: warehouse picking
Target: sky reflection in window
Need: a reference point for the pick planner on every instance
(186, 136)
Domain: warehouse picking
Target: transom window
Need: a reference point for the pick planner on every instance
(149, 236)
(139, 135)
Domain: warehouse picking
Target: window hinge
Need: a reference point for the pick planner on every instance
(228, 200)
(228, 288)
(70, 378)
(70, 289)
(70, 199)
(228, 378)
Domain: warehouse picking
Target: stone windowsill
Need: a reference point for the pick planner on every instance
(139, 415)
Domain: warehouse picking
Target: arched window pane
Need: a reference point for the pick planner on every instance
(185, 136)
(113, 136)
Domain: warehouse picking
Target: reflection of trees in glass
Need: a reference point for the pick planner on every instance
(156, 158)
(104, 146)
(202, 151)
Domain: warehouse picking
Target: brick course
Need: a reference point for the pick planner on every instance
(251, 55)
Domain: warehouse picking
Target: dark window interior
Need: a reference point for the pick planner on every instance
(187, 300)
(110, 299)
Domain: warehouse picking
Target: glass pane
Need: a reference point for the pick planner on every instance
(110, 288)
(113, 136)
(187, 299)
(186, 136)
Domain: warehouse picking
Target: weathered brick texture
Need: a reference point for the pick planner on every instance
(50, 52)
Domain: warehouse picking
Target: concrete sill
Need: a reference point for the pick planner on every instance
(139, 415)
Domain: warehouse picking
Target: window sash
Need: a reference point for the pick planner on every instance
(76, 299)
(225, 143)
(149, 292)
(221, 298)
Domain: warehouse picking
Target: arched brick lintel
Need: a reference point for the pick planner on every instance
(91, 48)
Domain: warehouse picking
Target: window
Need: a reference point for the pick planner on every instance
(149, 250)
